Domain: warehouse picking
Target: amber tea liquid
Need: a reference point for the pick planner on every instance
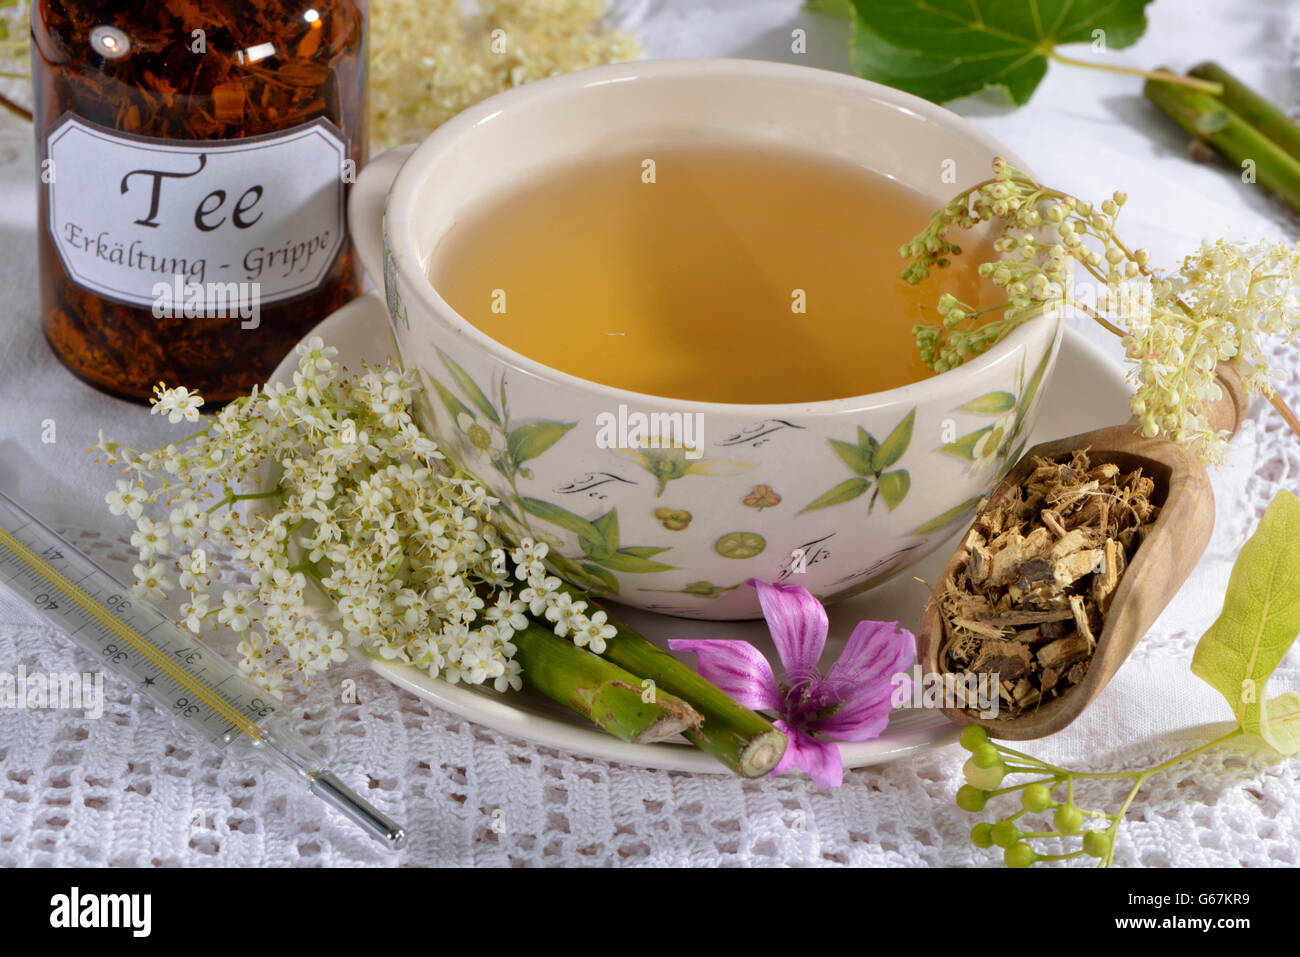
(725, 274)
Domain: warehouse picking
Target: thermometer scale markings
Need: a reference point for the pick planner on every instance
(40, 572)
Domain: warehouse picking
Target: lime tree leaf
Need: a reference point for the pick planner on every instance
(991, 403)
(965, 446)
(945, 49)
(1260, 619)
(947, 518)
(855, 457)
(470, 387)
(840, 9)
(563, 518)
(1281, 724)
(531, 440)
(846, 491)
(893, 487)
(892, 449)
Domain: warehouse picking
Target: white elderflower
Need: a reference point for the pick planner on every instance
(151, 582)
(126, 499)
(364, 512)
(150, 538)
(194, 611)
(188, 523)
(594, 632)
(565, 613)
(177, 404)
(508, 610)
(1229, 303)
(236, 611)
(316, 355)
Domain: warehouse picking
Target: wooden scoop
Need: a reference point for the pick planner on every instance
(1161, 564)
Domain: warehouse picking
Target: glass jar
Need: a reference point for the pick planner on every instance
(194, 158)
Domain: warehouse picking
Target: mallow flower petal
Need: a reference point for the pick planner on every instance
(798, 625)
(819, 759)
(737, 667)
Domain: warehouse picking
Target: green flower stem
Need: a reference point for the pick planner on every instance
(1211, 120)
(741, 739)
(1161, 75)
(1062, 775)
(1020, 787)
(1265, 117)
(610, 697)
(1058, 857)
(231, 498)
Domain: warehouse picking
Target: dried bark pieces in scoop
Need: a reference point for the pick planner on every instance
(1041, 569)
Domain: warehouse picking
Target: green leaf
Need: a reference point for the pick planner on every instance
(1259, 622)
(892, 449)
(1028, 392)
(947, 518)
(1281, 728)
(840, 9)
(607, 525)
(965, 446)
(846, 491)
(470, 387)
(605, 578)
(643, 551)
(945, 49)
(855, 457)
(453, 404)
(624, 560)
(893, 487)
(561, 517)
(529, 441)
(991, 403)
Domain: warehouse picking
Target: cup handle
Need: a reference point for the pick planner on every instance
(366, 208)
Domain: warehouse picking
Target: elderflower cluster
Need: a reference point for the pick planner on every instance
(1226, 304)
(363, 536)
(1229, 302)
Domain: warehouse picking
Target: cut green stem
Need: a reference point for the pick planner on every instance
(1261, 114)
(741, 739)
(607, 695)
(1211, 120)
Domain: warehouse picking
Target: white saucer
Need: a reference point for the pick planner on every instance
(1087, 391)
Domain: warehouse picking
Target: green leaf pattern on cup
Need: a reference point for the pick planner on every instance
(871, 461)
(601, 557)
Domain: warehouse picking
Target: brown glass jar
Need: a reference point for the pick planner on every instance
(194, 158)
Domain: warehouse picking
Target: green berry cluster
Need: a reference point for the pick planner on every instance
(986, 768)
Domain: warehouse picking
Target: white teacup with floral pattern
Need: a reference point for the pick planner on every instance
(834, 495)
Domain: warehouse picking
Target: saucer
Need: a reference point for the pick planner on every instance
(1086, 391)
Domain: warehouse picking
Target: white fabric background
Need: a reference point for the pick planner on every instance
(122, 791)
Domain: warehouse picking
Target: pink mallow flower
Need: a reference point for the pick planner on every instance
(851, 702)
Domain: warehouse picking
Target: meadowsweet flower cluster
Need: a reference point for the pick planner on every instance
(1225, 305)
(351, 528)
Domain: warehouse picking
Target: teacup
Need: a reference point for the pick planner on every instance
(769, 492)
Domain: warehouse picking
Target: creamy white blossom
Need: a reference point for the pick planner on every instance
(367, 538)
(1230, 301)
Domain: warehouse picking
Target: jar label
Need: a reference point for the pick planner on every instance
(186, 226)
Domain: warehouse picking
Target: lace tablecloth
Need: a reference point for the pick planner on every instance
(122, 791)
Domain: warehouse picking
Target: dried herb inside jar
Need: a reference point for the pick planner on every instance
(194, 158)
(1029, 600)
